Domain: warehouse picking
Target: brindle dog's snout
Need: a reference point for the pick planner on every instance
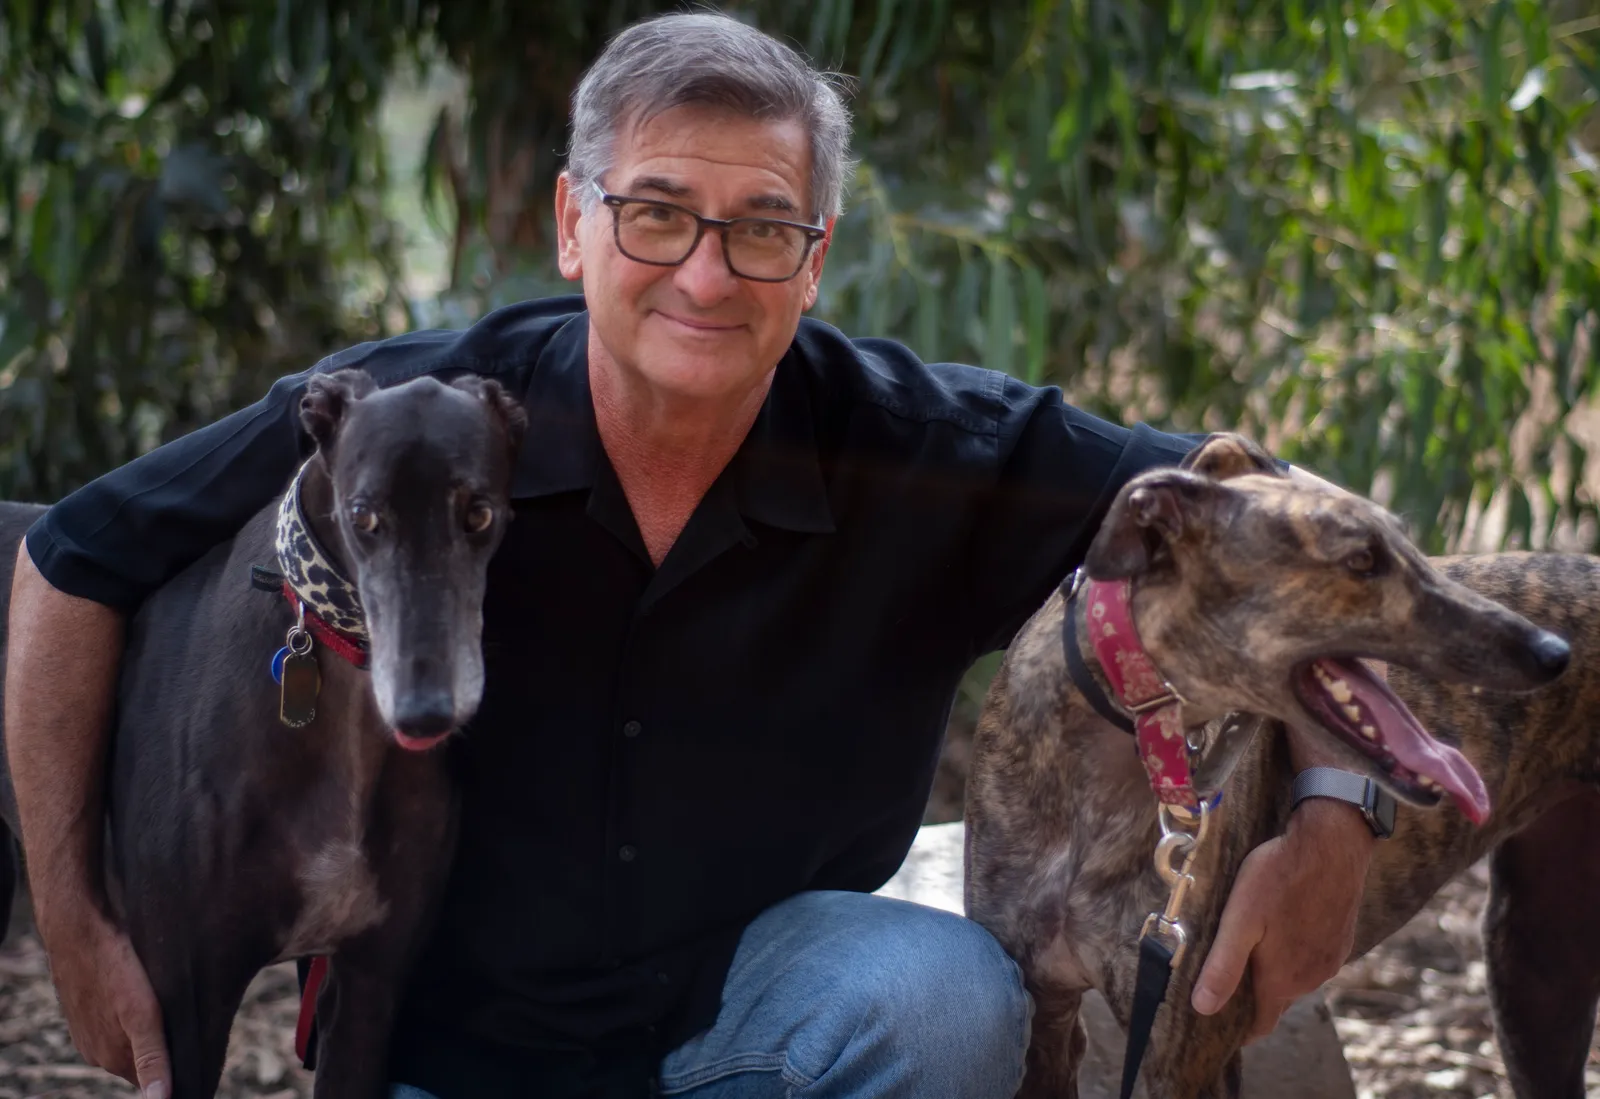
(1550, 655)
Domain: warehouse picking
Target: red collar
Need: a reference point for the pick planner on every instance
(346, 646)
(1141, 689)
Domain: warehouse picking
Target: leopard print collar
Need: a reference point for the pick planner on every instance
(309, 570)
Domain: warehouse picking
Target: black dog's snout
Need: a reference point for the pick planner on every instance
(1550, 653)
(425, 714)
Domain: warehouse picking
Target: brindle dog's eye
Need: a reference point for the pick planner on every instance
(1361, 562)
(479, 516)
(363, 518)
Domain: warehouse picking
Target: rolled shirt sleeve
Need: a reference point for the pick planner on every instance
(122, 535)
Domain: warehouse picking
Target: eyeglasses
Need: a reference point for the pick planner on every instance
(665, 235)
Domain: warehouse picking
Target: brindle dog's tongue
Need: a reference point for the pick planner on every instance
(1412, 745)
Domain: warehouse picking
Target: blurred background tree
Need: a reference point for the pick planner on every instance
(1364, 233)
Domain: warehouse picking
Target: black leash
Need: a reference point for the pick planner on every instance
(1149, 991)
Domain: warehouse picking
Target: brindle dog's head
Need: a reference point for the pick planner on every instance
(411, 489)
(1256, 591)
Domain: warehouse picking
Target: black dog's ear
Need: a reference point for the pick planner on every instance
(1149, 514)
(327, 398)
(1226, 455)
(512, 416)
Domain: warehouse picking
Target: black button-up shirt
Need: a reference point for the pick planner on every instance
(662, 753)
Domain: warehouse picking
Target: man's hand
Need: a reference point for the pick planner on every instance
(110, 1008)
(1291, 914)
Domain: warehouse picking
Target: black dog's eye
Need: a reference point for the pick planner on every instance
(479, 516)
(1362, 563)
(363, 518)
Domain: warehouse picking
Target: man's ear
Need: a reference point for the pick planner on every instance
(327, 398)
(813, 271)
(1152, 512)
(569, 212)
(1225, 455)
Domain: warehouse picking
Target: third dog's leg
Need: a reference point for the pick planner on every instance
(1056, 1049)
(1543, 956)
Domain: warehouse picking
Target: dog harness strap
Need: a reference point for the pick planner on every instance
(1149, 990)
(264, 579)
(1142, 690)
(1086, 683)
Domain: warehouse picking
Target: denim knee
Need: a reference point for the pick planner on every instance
(836, 995)
(932, 987)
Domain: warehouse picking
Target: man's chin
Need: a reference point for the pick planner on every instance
(700, 377)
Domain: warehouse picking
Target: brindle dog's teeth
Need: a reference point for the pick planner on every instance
(1341, 692)
(1353, 712)
(1369, 732)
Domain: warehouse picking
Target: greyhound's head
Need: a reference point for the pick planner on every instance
(1254, 591)
(410, 487)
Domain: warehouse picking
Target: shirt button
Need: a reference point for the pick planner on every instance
(628, 852)
(631, 729)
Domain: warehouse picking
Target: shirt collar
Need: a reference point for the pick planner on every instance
(776, 473)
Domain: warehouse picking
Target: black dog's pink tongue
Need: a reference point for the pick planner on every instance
(1412, 745)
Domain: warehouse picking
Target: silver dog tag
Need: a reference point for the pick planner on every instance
(297, 699)
(301, 679)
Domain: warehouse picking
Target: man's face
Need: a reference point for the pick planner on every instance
(695, 331)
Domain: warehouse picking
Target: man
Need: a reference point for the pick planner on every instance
(750, 560)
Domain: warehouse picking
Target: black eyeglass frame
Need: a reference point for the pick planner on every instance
(812, 233)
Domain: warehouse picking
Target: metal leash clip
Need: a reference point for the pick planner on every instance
(1176, 844)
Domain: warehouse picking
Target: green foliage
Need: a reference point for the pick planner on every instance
(188, 207)
(1364, 233)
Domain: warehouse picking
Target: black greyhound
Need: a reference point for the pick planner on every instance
(241, 836)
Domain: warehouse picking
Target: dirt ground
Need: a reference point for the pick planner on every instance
(1413, 1015)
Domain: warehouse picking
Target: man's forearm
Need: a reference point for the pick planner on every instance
(61, 665)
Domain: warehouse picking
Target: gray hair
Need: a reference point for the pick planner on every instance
(714, 60)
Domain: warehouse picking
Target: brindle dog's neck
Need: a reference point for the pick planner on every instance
(1223, 740)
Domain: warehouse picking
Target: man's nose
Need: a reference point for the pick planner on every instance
(704, 277)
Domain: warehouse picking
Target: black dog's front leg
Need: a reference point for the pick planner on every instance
(199, 983)
(410, 847)
(355, 1011)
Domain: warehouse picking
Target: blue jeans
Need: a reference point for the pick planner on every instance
(849, 996)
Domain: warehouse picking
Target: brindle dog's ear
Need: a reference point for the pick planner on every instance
(513, 417)
(327, 398)
(1226, 455)
(1149, 514)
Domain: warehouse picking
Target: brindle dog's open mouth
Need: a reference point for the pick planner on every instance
(1359, 708)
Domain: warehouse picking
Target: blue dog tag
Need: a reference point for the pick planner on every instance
(277, 664)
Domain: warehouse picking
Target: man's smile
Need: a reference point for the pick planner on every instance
(698, 325)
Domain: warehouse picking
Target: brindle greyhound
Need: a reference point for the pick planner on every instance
(1254, 593)
(236, 841)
